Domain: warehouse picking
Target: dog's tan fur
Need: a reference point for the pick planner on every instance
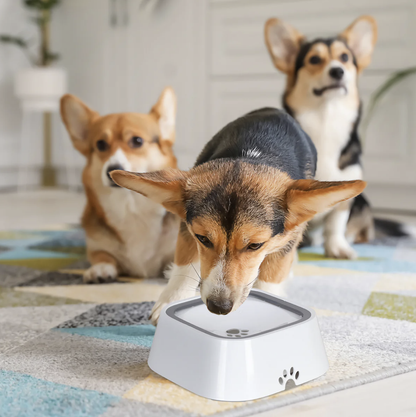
(126, 233)
(229, 266)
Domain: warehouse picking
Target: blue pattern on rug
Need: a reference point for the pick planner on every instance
(140, 335)
(25, 396)
(383, 260)
(24, 253)
(363, 250)
(368, 266)
(23, 243)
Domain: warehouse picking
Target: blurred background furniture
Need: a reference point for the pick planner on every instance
(39, 90)
(120, 53)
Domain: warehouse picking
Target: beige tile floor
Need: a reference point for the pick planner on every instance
(39, 209)
(392, 397)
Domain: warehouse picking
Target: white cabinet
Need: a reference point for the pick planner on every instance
(81, 33)
(232, 99)
(237, 30)
(120, 56)
(167, 47)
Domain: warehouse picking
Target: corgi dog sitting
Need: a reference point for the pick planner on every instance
(244, 208)
(322, 95)
(126, 233)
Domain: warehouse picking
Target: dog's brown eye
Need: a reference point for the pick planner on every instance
(344, 57)
(136, 142)
(255, 246)
(102, 145)
(315, 59)
(204, 240)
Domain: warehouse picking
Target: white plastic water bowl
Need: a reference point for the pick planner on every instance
(266, 346)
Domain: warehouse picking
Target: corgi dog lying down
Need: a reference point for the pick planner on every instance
(244, 207)
(126, 232)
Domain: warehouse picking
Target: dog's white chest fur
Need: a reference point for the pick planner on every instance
(140, 223)
(329, 125)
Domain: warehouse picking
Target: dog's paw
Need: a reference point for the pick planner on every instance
(338, 247)
(166, 298)
(99, 273)
(155, 313)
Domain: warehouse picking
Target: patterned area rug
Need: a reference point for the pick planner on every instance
(69, 349)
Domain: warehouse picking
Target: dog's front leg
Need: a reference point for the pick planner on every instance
(274, 272)
(335, 226)
(184, 276)
(104, 268)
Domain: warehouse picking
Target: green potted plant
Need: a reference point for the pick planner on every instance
(378, 95)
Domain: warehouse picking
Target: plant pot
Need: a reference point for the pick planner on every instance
(40, 88)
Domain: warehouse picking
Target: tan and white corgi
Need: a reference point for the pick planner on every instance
(126, 232)
(244, 208)
(322, 95)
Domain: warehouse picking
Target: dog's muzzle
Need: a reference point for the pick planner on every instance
(113, 168)
(221, 307)
(319, 91)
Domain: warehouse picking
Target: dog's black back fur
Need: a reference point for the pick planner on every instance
(266, 136)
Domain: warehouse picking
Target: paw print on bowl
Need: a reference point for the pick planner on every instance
(288, 379)
(237, 333)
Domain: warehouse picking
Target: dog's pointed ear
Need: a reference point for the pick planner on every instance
(306, 198)
(361, 37)
(165, 112)
(77, 118)
(283, 42)
(163, 187)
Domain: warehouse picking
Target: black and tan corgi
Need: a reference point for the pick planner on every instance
(244, 208)
(126, 233)
(322, 95)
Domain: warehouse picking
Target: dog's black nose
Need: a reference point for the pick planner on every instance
(336, 72)
(113, 168)
(219, 307)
